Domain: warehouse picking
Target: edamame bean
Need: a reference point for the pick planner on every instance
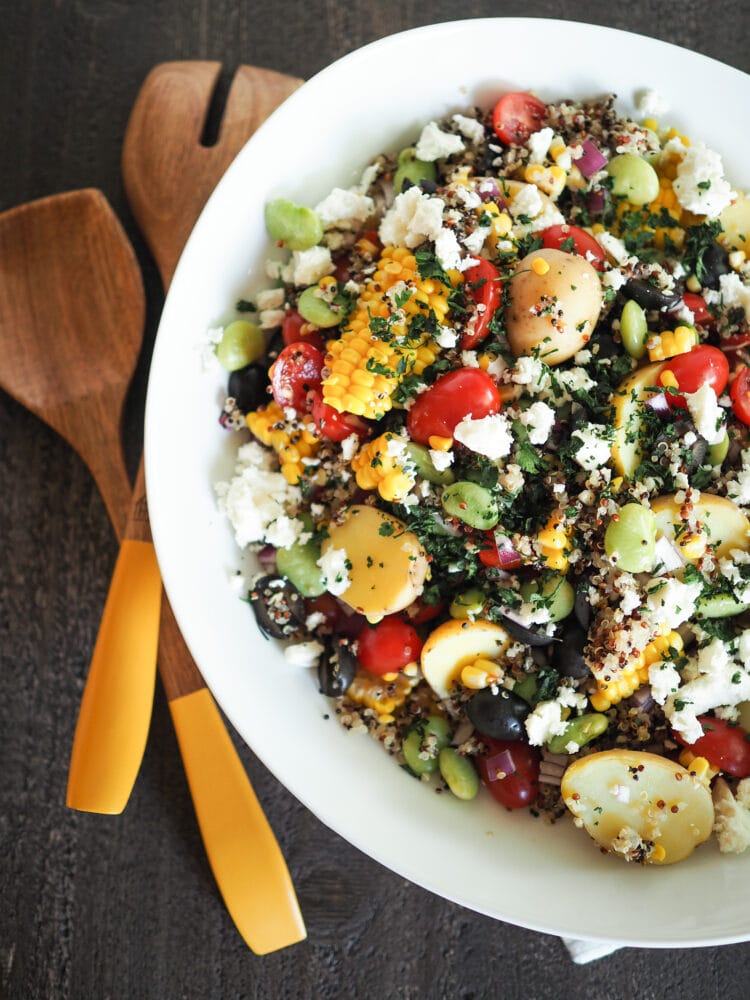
(472, 504)
(299, 563)
(468, 604)
(581, 730)
(634, 178)
(553, 592)
(526, 688)
(423, 743)
(409, 168)
(419, 456)
(631, 538)
(296, 226)
(634, 329)
(459, 774)
(312, 307)
(241, 343)
(718, 452)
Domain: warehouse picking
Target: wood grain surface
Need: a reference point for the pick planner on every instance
(96, 907)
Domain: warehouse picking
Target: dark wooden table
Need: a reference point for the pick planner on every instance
(125, 907)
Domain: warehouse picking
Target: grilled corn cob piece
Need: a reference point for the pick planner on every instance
(292, 443)
(383, 340)
(610, 692)
(670, 343)
(377, 465)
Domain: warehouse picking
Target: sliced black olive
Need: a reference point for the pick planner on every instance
(525, 635)
(567, 656)
(248, 387)
(714, 262)
(337, 667)
(428, 186)
(278, 606)
(499, 716)
(582, 607)
(649, 297)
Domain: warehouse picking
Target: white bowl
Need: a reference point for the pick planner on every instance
(509, 866)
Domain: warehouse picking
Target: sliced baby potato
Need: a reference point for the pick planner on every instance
(554, 303)
(387, 565)
(725, 525)
(629, 399)
(639, 805)
(455, 644)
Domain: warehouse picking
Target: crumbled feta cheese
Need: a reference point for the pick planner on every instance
(349, 447)
(489, 436)
(650, 104)
(732, 293)
(512, 478)
(344, 209)
(470, 128)
(314, 620)
(664, 679)
(270, 298)
(259, 503)
(614, 278)
(544, 722)
(304, 654)
(595, 448)
(667, 556)
(575, 379)
(707, 415)
(434, 144)
(539, 419)
(368, 177)
(731, 571)
(700, 185)
(448, 251)
(269, 319)
(309, 266)
(468, 197)
(731, 816)
(738, 489)
(335, 566)
(469, 359)
(717, 679)
(539, 143)
(446, 337)
(532, 373)
(413, 217)
(614, 247)
(476, 240)
(670, 603)
(527, 201)
(442, 460)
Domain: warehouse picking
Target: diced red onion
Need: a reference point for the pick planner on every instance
(489, 190)
(502, 763)
(659, 404)
(592, 159)
(509, 558)
(643, 699)
(596, 201)
(267, 557)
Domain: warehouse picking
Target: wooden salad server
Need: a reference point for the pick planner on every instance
(72, 311)
(168, 176)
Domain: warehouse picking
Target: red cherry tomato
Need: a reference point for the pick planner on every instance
(703, 365)
(491, 555)
(295, 373)
(724, 745)
(735, 343)
(516, 116)
(452, 397)
(482, 284)
(740, 395)
(334, 425)
(292, 332)
(698, 307)
(510, 772)
(388, 646)
(584, 244)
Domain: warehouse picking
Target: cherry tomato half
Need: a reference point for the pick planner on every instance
(295, 373)
(418, 612)
(516, 116)
(584, 244)
(510, 771)
(292, 332)
(740, 395)
(735, 343)
(452, 397)
(698, 307)
(723, 744)
(482, 284)
(388, 646)
(334, 425)
(703, 365)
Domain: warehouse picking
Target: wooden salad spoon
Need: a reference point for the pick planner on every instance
(168, 175)
(72, 310)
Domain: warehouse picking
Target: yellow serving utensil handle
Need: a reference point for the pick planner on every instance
(115, 713)
(249, 870)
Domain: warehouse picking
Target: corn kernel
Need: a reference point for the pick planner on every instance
(539, 266)
(658, 853)
(692, 284)
(669, 380)
(699, 766)
(651, 124)
(480, 674)
(693, 544)
(440, 443)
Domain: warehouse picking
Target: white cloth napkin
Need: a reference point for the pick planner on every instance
(589, 951)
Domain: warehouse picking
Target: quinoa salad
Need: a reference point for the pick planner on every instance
(492, 414)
